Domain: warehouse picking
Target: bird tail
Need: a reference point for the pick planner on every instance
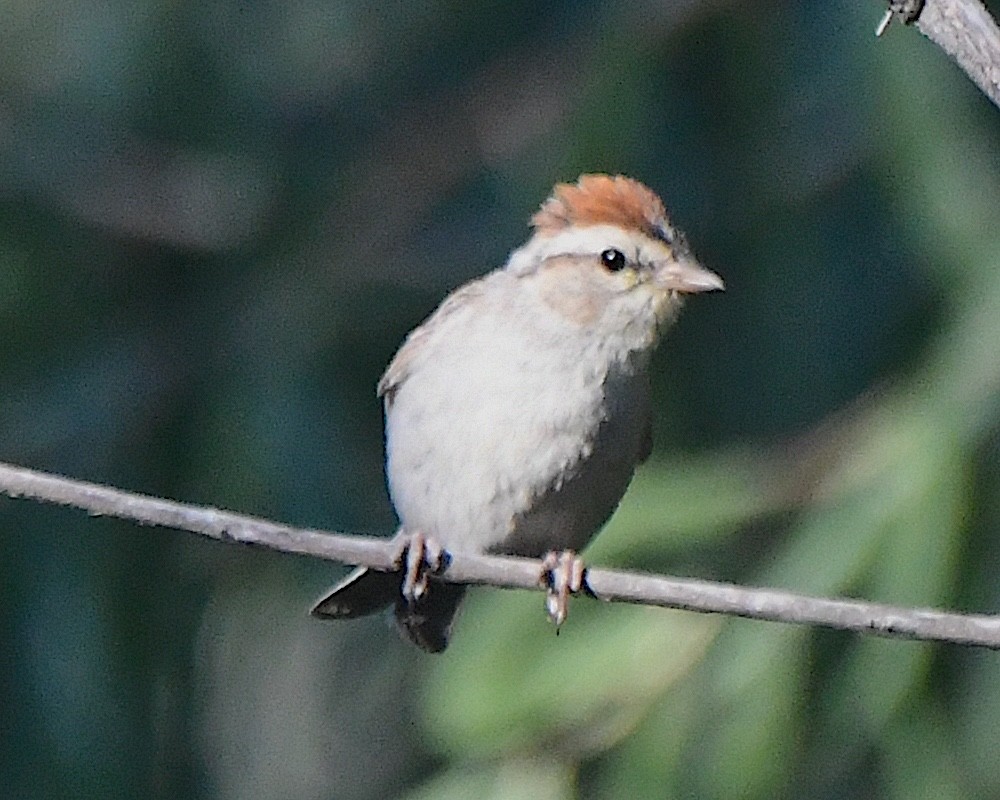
(427, 622)
(365, 591)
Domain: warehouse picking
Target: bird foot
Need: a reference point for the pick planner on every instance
(418, 557)
(562, 575)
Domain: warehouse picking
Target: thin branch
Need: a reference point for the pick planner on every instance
(506, 572)
(964, 29)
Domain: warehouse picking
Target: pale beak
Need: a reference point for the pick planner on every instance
(688, 277)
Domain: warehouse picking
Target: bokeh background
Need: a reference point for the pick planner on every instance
(219, 219)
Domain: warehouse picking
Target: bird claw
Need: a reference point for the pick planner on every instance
(418, 557)
(562, 575)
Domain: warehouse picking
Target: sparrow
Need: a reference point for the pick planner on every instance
(516, 414)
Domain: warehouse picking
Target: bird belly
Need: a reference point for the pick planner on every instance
(508, 460)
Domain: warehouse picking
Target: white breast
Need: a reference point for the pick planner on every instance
(504, 435)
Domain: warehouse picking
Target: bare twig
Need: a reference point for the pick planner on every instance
(513, 573)
(964, 29)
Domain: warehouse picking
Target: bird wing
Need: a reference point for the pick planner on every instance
(646, 443)
(408, 354)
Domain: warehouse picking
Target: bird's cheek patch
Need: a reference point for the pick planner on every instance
(569, 296)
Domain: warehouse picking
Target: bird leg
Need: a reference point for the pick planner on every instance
(418, 557)
(562, 575)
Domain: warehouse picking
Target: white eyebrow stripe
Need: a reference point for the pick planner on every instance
(592, 239)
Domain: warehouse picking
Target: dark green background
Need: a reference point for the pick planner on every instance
(217, 222)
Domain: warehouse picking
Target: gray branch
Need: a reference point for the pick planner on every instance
(964, 29)
(506, 572)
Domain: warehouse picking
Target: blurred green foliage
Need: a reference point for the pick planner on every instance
(218, 221)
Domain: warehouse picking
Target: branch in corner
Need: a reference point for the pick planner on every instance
(964, 29)
(507, 572)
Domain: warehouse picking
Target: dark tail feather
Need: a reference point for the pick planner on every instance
(362, 592)
(427, 623)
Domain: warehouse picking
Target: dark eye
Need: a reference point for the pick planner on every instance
(613, 260)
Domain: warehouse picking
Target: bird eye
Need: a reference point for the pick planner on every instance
(613, 260)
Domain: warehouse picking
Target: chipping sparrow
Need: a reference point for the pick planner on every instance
(518, 411)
